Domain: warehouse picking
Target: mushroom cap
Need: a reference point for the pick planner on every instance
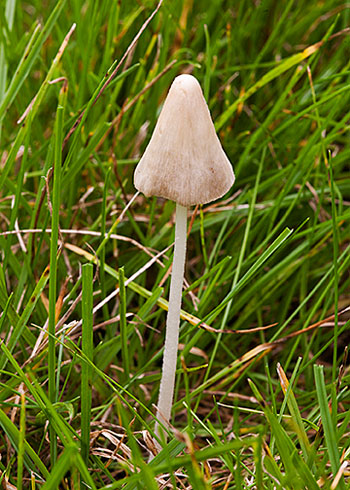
(184, 160)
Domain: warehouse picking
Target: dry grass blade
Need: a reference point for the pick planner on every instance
(113, 236)
(311, 327)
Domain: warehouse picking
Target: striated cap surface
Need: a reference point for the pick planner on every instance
(184, 160)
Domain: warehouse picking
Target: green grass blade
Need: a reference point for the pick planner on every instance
(20, 325)
(55, 211)
(30, 456)
(21, 443)
(295, 412)
(330, 431)
(336, 271)
(276, 78)
(86, 371)
(123, 325)
(102, 256)
(34, 108)
(250, 273)
(281, 67)
(297, 472)
(63, 429)
(62, 466)
(29, 57)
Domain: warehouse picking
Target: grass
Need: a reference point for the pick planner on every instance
(262, 387)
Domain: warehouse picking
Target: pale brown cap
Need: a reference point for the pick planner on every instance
(184, 160)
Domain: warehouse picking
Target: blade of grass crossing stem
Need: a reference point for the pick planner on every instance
(162, 303)
(53, 270)
(330, 432)
(134, 286)
(123, 324)
(21, 446)
(86, 369)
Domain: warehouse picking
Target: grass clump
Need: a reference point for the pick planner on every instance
(262, 397)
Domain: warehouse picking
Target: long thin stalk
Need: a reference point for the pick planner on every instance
(53, 275)
(167, 383)
(86, 370)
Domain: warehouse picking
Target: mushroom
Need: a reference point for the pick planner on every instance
(184, 162)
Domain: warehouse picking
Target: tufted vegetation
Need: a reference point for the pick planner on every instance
(262, 388)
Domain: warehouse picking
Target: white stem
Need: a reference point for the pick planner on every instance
(167, 383)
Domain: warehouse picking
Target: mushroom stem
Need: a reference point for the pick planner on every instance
(167, 383)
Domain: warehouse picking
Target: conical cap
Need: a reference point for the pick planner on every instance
(184, 160)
